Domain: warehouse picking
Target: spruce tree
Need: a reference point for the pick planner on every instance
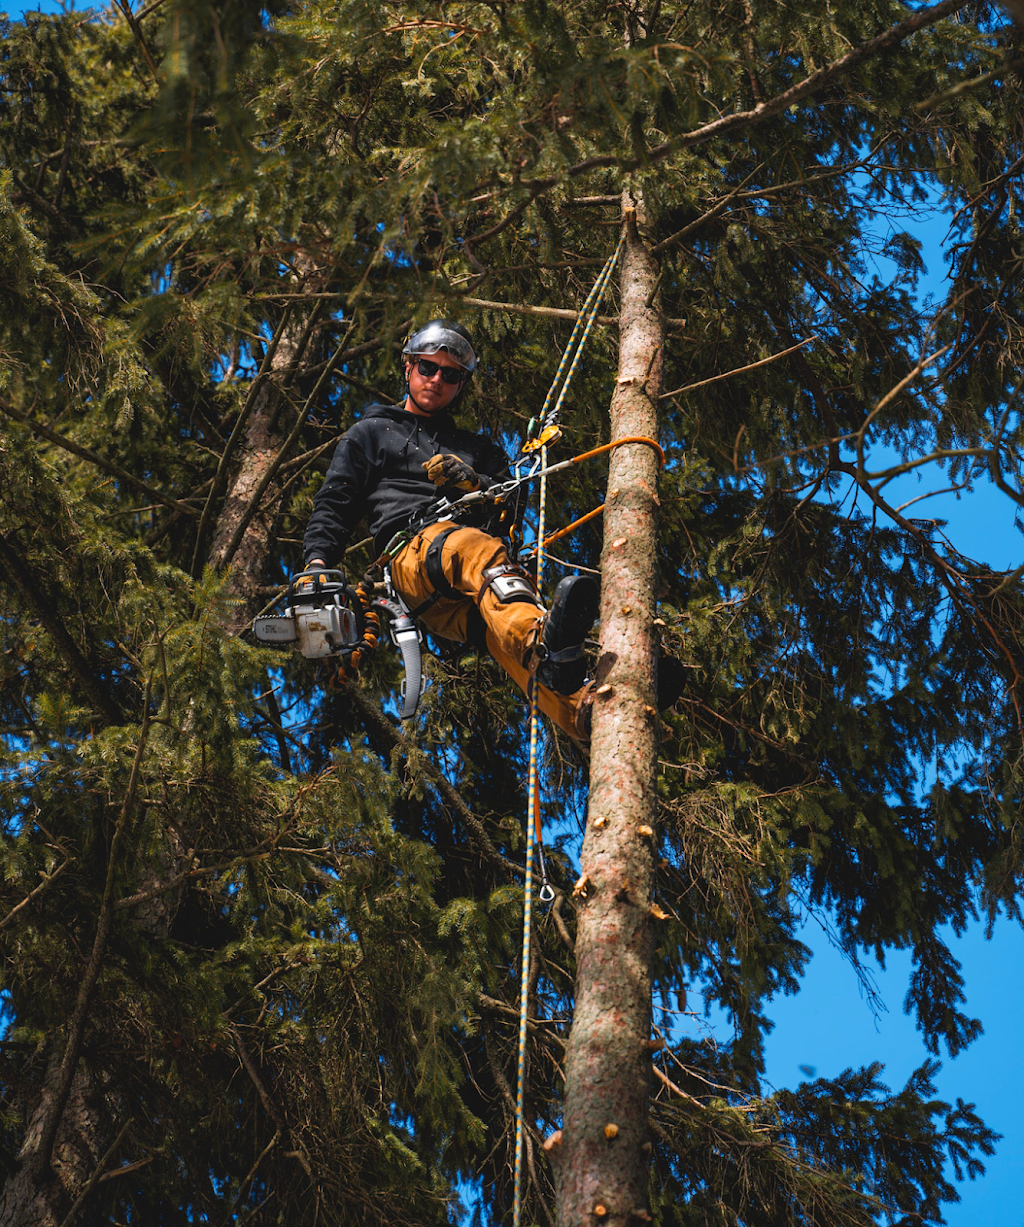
(260, 945)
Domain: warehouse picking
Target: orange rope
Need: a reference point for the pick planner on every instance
(607, 447)
(564, 532)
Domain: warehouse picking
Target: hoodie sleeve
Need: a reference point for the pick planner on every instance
(340, 501)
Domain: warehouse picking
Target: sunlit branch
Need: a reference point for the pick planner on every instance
(963, 87)
(920, 498)
(48, 880)
(739, 370)
(738, 120)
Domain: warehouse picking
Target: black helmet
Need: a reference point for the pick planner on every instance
(442, 334)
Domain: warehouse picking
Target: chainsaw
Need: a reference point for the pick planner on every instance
(322, 616)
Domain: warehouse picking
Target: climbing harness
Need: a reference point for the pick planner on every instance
(498, 500)
(503, 495)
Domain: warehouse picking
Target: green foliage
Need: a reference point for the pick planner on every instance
(214, 229)
(844, 1150)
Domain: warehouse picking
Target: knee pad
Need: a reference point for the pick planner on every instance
(509, 583)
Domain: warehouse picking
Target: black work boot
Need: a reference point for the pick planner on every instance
(563, 667)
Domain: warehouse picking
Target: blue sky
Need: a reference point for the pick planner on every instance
(43, 6)
(830, 1026)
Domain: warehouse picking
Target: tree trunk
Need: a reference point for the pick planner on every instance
(242, 536)
(86, 1130)
(602, 1163)
(257, 452)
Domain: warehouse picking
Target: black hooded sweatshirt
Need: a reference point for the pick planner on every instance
(377, 472)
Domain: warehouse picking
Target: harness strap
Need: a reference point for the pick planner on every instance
(432, 564)
(436, 575)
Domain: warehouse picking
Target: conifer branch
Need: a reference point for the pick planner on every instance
(97, 1175)
(271, 1108)
(667, 1082)
(818, 80)
(964, 87)
(260, 853)
(232, 1213)
(557, 313)
(952, 579)
(150, 8)
(276, 1114)
(739, 370)
(728, 124)
(48, 880)
(38, 596)
(715, 211)
(560, 925)
(386, 732)
(85, 453)
(133, 25)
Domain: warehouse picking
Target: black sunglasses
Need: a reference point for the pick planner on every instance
(429, 369)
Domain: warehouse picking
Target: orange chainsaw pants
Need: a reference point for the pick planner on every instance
(512, 628)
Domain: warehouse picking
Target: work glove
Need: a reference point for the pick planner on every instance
(309, 573)
(446, 470)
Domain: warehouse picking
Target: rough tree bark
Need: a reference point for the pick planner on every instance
(601, 1165)
(242, 535)
(84, 1132)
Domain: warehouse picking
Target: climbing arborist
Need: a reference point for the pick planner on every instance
(456, 577)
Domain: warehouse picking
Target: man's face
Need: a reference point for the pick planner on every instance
(429, 393)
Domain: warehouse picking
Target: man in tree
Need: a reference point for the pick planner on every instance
(454, 575)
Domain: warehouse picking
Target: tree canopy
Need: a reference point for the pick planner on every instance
(260, 944)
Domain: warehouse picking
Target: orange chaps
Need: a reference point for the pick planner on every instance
(512, 628)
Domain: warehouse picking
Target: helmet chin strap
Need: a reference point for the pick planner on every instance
(430, 412)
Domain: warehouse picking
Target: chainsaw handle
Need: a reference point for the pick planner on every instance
(316, 582)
